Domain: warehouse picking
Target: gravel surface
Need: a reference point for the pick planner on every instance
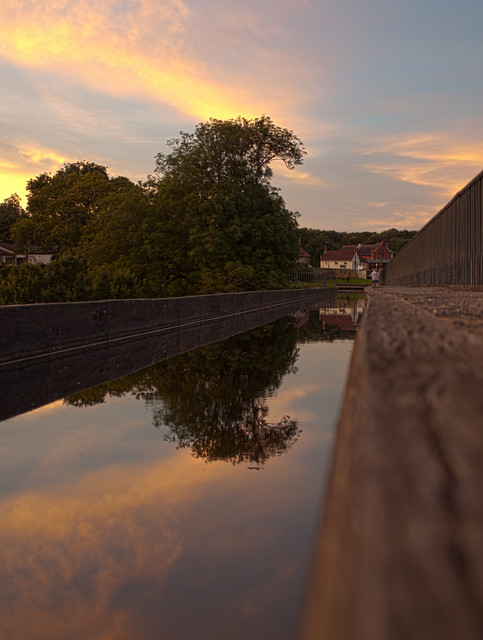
(461, 306)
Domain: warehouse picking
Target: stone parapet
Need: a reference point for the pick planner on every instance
(36, 329)
(400, 552)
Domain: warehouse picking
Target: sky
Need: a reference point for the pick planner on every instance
(387, 96)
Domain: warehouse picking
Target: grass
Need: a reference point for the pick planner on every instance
(350, 296)
(332, 282)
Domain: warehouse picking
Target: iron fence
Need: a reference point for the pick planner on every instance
(449, 248)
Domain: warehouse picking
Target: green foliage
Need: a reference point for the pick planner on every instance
(225, 226)
(315, 241)
(11, 212)
(65, 279)
(122, 245)
(332, 282)
(234, 152)
(207, 221)
(61, 207)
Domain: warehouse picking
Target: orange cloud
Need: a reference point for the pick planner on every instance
(120, 53)
(282, 403)
(433, 160)
(39, 155)
(297, 175)
(28, 159)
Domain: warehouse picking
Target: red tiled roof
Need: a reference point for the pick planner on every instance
(378, 250)
(303, 253)
(346, 253)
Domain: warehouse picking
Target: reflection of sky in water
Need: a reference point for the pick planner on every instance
(108, 531)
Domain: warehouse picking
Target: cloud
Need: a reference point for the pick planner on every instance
(297, 174)
(25, 160)
(286, 399)
(37, 155)
(120, 48)
(432, 160)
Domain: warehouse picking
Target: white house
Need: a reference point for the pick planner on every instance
(34, 255)
(345, 258)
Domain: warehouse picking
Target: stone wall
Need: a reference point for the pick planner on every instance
(29, 330)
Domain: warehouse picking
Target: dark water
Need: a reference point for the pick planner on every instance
(180, 501)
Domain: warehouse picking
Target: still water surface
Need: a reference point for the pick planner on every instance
(180, 501)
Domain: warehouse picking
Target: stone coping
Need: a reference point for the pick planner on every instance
(400, 553)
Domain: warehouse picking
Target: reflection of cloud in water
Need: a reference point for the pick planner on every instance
(74, 550)
(282, 403)
(96, 557)
(47, 408)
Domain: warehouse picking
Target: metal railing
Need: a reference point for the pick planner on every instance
(449, 248)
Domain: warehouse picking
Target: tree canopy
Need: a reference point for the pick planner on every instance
(227, 227)
(235, 152)
(60, 207)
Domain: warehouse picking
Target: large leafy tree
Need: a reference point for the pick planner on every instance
(226, 226)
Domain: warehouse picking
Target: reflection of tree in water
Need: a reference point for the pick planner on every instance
(213, 399)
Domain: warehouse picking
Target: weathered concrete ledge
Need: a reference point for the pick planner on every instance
(30, 330)
(400, 553)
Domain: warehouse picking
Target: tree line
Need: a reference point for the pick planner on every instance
(207, 220)
(315, 241)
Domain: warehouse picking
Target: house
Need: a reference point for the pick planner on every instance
(304, 257)
(374, 256)
(345, 258)
(34, 255)
(358, 257)
(7, 254)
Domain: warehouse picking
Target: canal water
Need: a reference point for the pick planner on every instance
(179, 501)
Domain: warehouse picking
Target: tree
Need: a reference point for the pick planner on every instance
(117, 243)
(11, 211)
(226, 227)
(60, 207)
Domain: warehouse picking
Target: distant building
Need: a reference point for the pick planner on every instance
(7, 254)
(374, 256)
(35, 255)
(304, 256)
(358, 257)
(345, 258)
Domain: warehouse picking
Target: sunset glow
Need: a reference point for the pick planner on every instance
(111, 82)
